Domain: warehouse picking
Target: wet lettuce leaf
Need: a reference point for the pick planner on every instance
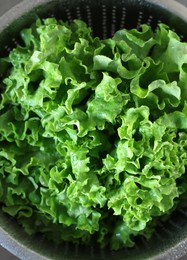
(93, 133)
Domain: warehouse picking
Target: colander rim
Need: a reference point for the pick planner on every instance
(26, 5)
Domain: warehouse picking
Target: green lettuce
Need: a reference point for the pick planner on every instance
(93, 133)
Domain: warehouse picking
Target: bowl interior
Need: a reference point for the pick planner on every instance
(105, 17)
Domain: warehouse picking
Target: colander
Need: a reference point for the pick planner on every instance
(104, 17)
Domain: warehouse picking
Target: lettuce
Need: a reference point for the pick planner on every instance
(93, 133)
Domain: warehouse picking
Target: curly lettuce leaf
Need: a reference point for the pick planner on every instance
(93, 132)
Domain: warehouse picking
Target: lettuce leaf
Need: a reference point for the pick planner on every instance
(93, 133)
